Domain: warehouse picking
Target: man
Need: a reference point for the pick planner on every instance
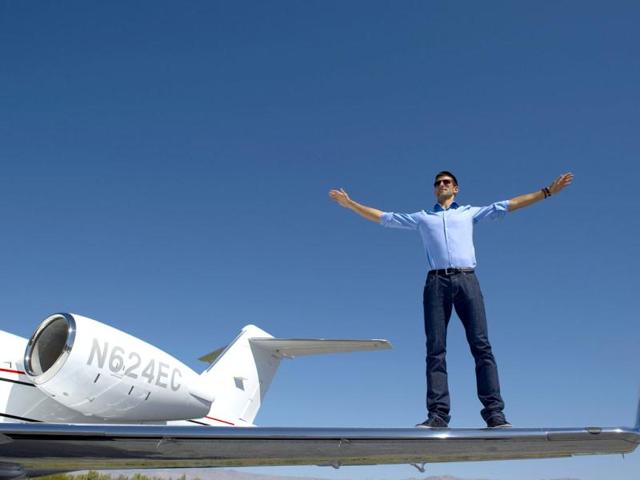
(447, 235)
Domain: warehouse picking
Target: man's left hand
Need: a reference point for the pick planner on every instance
(560, 182)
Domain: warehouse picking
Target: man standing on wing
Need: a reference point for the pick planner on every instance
(447, 235)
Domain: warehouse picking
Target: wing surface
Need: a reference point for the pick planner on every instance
(45, 448)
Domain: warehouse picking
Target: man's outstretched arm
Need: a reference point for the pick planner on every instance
(343, 200)
(530, 198)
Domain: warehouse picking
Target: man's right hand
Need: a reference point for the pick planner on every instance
(341, 197)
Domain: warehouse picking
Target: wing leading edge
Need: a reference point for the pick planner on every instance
(45, 448)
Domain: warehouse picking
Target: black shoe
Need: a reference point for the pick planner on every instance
(498, 422)
(433, 422)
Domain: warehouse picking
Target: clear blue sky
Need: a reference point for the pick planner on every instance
(165, 168)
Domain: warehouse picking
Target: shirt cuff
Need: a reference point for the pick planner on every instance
(385, 218)
(502, 206)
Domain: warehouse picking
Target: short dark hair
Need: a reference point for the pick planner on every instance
(444, 173)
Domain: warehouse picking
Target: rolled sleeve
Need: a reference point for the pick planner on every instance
(493, 211)
(407, 221)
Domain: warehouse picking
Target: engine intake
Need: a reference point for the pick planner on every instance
(49, 347)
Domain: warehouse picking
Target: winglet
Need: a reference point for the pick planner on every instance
(637, 427)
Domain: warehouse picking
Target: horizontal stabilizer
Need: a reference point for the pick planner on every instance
(289, 348)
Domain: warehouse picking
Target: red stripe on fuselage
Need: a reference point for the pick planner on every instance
(11, 371)
(218, 420)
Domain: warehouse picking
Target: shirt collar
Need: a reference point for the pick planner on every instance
(438, 208)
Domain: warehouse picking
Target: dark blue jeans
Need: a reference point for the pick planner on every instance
(461, 291)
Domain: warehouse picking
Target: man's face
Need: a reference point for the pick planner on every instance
(445, 187)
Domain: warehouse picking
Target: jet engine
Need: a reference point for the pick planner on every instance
(100, 371)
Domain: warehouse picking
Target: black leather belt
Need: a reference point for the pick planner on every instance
(450, 271)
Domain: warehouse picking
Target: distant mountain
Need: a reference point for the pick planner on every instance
(223, 474)
(204, 474)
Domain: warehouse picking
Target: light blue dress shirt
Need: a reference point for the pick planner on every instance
(447, 235)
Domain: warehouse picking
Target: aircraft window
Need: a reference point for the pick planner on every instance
(239, 381)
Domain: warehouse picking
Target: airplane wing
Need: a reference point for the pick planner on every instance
(39, 449)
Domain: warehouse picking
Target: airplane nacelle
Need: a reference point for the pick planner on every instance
(100, 371)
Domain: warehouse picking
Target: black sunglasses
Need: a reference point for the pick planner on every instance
(446, 181)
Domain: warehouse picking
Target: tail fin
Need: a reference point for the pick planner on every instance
(240, 374)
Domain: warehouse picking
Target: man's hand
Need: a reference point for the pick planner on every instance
(560, 182)
(341, 197)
